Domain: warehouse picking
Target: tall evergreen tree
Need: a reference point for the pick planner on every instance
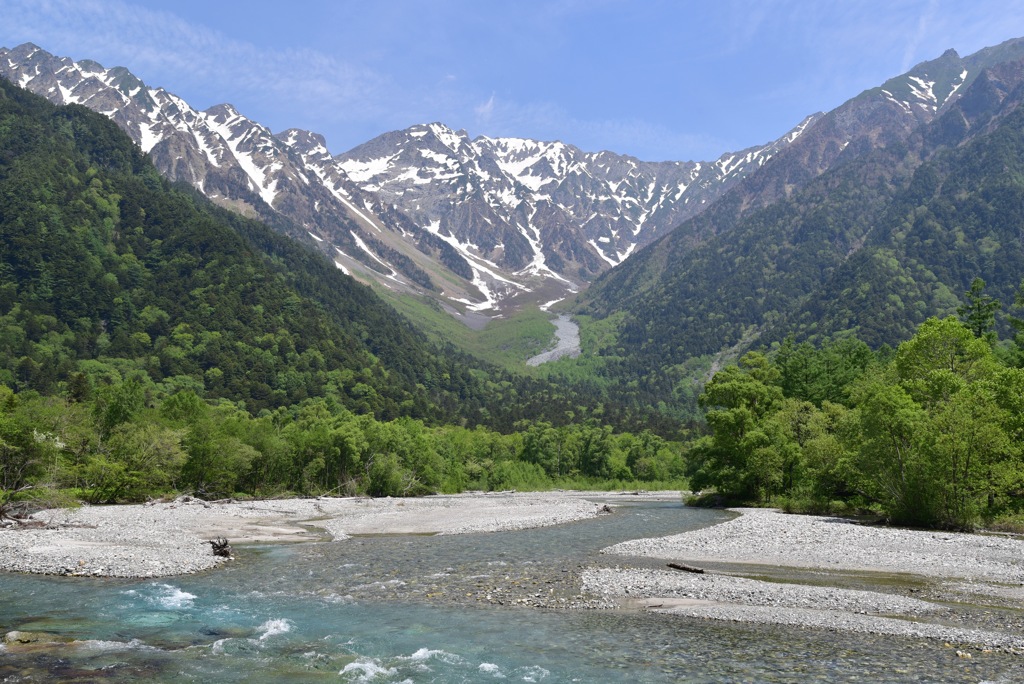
(979, 311)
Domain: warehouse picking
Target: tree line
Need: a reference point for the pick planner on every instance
(129, 442)
(930, 433)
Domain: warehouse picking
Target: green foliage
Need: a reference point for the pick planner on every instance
(109, 274)
(138, 461)
(930, 437)
(979, 311)
(868, 250)
(518, 475)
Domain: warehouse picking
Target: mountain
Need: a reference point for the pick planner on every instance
(474, 224)
(879, 117)
(921, 193)
(518, 209)
(108, 273)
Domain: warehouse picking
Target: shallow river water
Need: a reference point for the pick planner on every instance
(429, 609)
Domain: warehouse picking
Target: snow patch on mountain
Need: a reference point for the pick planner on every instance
(518, 211)
(224, 128)
(362, 171)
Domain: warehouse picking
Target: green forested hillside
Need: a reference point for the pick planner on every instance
(958, 218)
(929, 434)
(106, 271)
(104, 264)
(871, 248)
(152, 343)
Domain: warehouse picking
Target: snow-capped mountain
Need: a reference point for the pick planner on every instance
(234, 161)
(476, 223)
(542, 209)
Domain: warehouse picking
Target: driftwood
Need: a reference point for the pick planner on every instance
(220, 547)
(686, 568)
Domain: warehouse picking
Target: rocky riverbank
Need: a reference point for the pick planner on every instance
(761, 567)
(765, 567)
(172, 538)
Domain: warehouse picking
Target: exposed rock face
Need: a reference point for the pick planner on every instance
(491, 219)
(480, 222)
(539, 208)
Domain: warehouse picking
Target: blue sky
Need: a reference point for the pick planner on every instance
(658, 79)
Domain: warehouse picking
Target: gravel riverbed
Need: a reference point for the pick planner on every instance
(763, 567)
(768, 537)
(967, 587)
(171, 538)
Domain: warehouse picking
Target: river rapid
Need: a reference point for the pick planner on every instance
(429, 609)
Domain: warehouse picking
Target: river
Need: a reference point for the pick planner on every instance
(423, 609)
(567, 342)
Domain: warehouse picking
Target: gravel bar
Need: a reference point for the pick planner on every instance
(171, 538)
(769, 537)
(960, 570)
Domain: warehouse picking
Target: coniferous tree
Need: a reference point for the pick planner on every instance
(979, 311)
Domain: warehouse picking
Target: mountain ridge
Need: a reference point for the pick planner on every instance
(483, 224)
(504, 239)
(845, 254)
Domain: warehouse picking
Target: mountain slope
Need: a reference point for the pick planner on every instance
(106, 271)
(472, 223)
(872, 247)
(511, 205)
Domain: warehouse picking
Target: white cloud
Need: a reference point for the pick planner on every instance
(186, 58)
(484, 110)
(420, 72)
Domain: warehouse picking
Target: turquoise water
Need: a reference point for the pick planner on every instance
(382, 609)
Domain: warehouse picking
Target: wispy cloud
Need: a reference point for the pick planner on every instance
(698, 77)
(484, 110)
(157, 45)
(924, 21)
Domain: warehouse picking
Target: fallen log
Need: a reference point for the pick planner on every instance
(686, 568)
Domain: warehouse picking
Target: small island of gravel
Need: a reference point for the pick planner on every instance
(831, 573)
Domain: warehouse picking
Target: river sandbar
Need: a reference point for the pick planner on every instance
(965, 576)
(170, 538)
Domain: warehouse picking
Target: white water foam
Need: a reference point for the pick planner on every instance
(422, 656)
(102, 645)
(533, 673)
(274, 627)
(217, 647)
(171, 597)
(491, 669)
(268, 629)
(367, 671)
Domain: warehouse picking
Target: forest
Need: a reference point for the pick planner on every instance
(927, 434)
(871, 249)
(153, 343)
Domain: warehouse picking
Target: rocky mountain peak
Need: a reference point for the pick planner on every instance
(304, 142)
(496, 218)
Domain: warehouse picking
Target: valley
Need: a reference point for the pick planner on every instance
(439, 332)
